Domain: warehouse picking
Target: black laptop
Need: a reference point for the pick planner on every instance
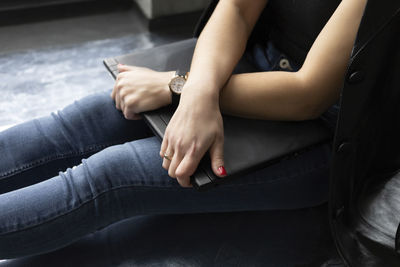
(248, 145)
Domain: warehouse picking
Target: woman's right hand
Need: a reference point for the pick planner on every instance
(195, 128)
(140, 89)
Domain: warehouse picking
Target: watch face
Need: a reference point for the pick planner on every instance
(177, 84)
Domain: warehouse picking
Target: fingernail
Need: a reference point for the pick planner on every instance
(222, 171)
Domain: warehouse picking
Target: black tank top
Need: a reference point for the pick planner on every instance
(297, 23)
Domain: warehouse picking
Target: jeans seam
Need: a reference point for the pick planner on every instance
(140, 188)
(48, 159)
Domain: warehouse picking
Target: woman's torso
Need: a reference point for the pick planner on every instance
(293, 27)
(295, 24)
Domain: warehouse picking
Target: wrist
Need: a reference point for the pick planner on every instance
(207, 88)
(192, 93)
(200, 95)
(167, 76)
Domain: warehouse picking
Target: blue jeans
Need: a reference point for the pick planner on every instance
(116, 173)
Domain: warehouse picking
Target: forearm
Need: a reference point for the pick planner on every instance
(220, 46)
(326, 63)
(274, 95)
(310, 91)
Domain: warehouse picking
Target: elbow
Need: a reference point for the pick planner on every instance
(313, 100)
(311, 112)
(306, 112)
(313, 107)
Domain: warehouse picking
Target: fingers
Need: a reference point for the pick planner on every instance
(129, 115)
(167, 158)
(184, 182)
(217, 157)
(113, 92)
(135, 117)
(178, 165)
(175, 160)
(182, 167)
(165, 154)
(117, 86)
(119, 92)
(123, 68)
(164, 145)
(189, 143)
(118, 101)
(116, 92)
(187, 166)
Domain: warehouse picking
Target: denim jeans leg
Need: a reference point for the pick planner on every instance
(42, 211)
(37, 150)
(127, 180)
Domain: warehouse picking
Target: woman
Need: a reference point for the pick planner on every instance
(124, 174)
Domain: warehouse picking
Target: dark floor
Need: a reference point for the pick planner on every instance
(51, 56)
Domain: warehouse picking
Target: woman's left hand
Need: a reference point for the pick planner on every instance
(139, 89)
(195, 128)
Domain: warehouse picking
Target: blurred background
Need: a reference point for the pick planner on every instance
(51, 51)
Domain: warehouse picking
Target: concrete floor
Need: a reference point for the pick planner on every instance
(67, 24)
(52, 56)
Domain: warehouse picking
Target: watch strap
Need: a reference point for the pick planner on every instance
(175, 99)
(180, 73)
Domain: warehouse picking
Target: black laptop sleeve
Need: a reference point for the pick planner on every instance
(248, 144)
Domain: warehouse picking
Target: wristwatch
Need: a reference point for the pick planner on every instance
(175, 86)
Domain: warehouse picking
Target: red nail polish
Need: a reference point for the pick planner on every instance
(222, 171)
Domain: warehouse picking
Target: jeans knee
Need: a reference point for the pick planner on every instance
(129, 164)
